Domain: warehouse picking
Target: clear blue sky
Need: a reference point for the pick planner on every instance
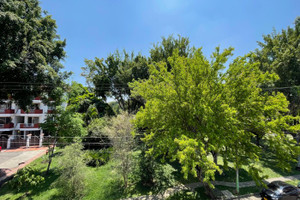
(95, 28)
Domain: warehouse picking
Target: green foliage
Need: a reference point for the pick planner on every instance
(64, 123)
(193, 108)
(163, 177)
(30, 52)
(26, 177)
(96, 127)
(81, 100)
(111, 76)
(115, 107)
(119, 132)
(165, 49)
(152, 174)
(280, 53)
(97, 158)
(71, 184)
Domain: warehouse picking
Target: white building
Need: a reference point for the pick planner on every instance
(19, 123)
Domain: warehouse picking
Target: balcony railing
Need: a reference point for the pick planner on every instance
(10, 125)
(50, 111)
(29, 125)
(32, 111)
(7, 111)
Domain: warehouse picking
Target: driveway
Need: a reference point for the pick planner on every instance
(10, 160)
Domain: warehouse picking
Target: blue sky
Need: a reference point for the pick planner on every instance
(95, 28)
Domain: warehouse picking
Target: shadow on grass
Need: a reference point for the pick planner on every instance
(179, 175)
(28, 192)
(227, 175)
(230, 175)
(269, 161)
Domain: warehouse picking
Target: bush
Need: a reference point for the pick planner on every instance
(153, 174)
(97, 158)
(71, 183)
(26, 177)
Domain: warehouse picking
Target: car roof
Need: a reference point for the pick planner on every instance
(278, 184)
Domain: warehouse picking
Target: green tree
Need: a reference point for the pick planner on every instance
(280, 53)
(165, 49)
(194, 109)
(64, 123)
(31, 52)
(110, 77)
(63, 126)
(81, 100)
(119, 132)
(71, 183)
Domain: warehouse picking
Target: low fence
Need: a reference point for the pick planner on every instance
(17, 141)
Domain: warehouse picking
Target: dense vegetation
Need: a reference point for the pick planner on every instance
(178, 117)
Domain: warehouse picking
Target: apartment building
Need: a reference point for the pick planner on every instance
(19, 123)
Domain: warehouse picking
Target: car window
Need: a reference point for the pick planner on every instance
(273, 186)
(288, 189)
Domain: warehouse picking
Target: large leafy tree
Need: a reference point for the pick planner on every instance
(81, 100)
(31, 52)
(163, 50)
(280, 53)
(110, 77)
(193, 109)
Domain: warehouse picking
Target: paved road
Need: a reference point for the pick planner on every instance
(9, 160)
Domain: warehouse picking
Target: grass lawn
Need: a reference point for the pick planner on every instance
(102, 183)
(267, 165)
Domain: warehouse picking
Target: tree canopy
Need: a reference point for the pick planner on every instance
(31, 52)
(81, 100)
(280, 53)
(194, 109)
(110, 77)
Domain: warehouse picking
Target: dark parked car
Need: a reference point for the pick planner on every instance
(278, 190)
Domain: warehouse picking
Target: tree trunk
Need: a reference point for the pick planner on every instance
(298, 164)
(237, 181)
(208, 190)
(257, 140)
(50, 157)
(215, 155)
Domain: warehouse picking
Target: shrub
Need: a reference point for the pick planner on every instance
(97, 158)
(26, 177)
(153, 174)
(71, 183)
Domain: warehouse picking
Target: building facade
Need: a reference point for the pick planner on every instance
(19, 123)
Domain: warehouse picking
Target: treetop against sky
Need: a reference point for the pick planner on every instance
(98, 28)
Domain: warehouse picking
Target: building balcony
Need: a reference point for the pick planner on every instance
(7, 111)
(50, 111)
(32, 111)
(9, 125)
(29, 125)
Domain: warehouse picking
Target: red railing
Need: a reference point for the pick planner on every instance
(33, 111)
(7, 111)
(50, 111)
(30, 125)
(10, 125)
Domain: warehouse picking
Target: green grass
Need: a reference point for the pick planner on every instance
(102, 183)
(294, 182)
(267, 165)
